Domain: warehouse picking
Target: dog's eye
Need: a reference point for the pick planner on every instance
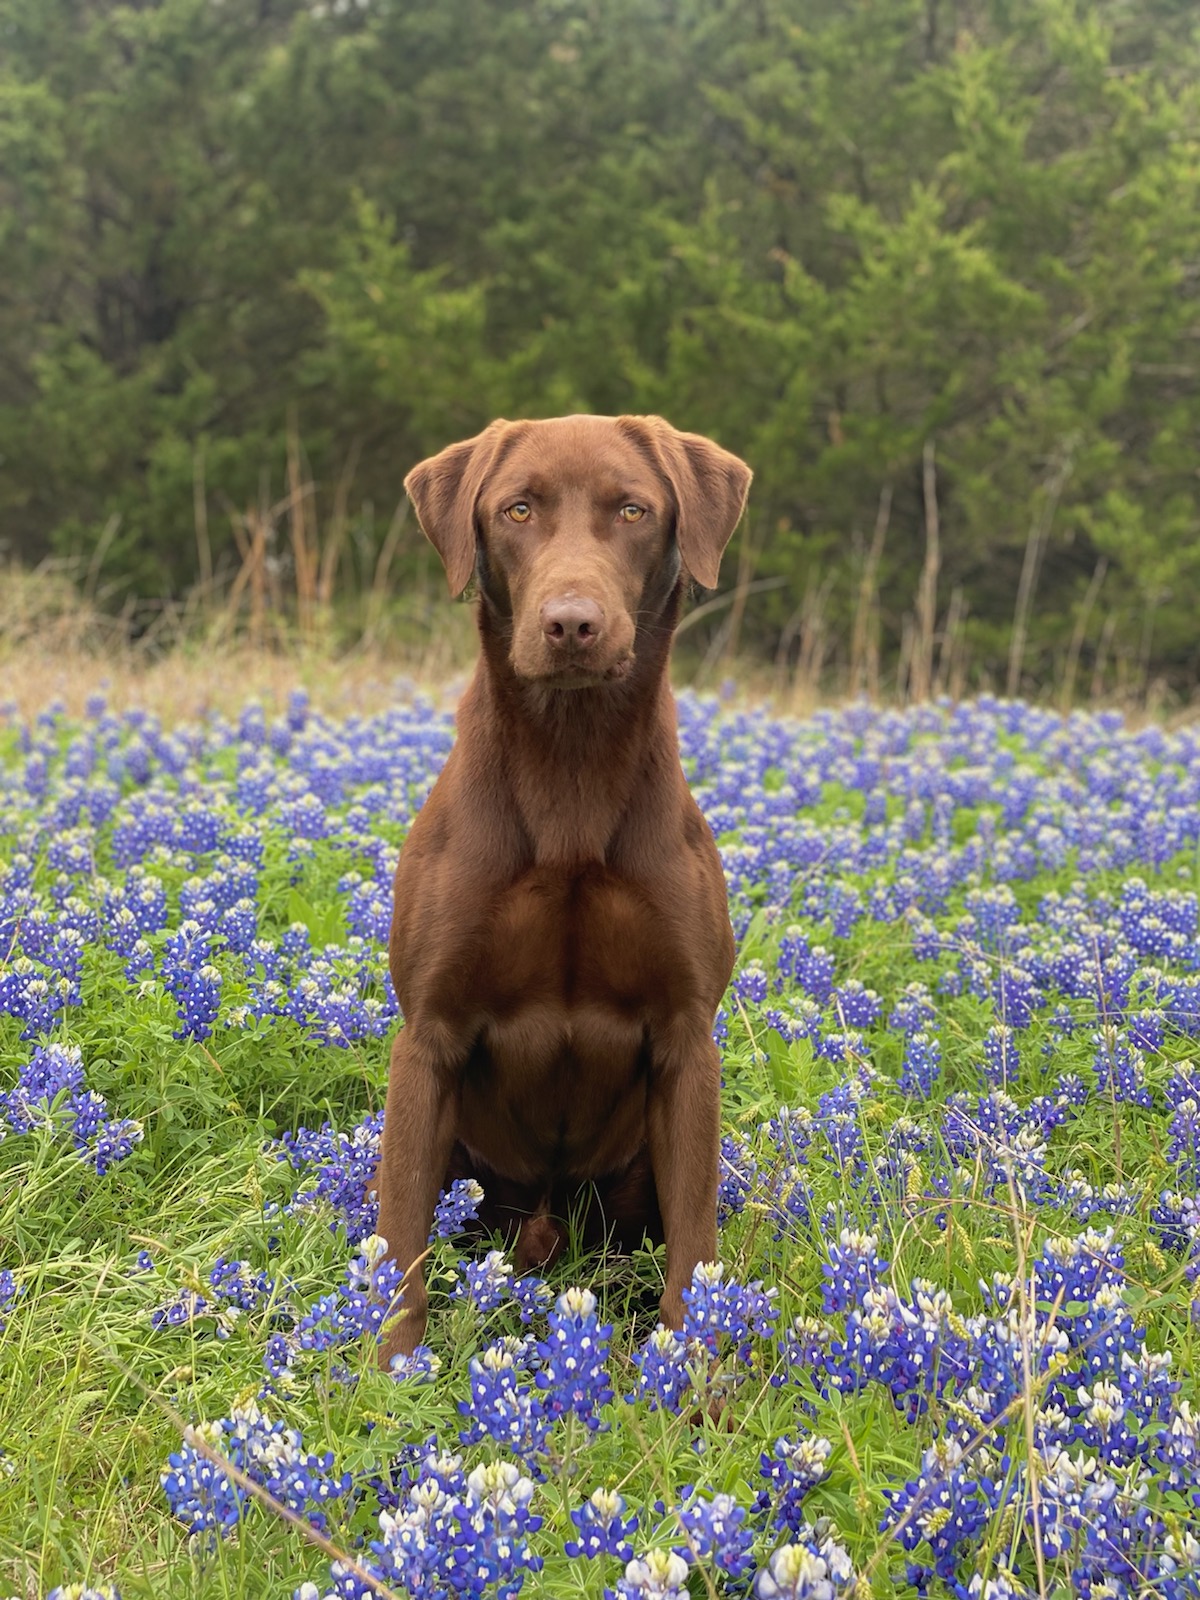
(521, 512)
(632, 513)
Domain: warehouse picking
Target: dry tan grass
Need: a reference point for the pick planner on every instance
(55, 644)
(187, 683)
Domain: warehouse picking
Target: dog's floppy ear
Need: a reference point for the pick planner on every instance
(710, 486)
(444, 490)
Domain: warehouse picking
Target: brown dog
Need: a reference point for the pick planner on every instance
(560, 935)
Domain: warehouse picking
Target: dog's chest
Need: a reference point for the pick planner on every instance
(575, 941)
(575, 976)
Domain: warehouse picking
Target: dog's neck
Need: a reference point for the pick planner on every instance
(573, 759)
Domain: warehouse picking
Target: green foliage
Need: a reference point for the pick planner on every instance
(829, 234)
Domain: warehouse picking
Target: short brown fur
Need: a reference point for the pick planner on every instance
(560, 935)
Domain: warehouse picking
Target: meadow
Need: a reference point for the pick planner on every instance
(949, 1346)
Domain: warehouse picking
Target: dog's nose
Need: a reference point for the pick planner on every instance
(571, 623)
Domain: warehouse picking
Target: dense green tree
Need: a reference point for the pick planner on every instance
(931, 265)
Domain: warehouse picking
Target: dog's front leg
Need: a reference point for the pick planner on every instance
(684, 1134)
(418, 1135)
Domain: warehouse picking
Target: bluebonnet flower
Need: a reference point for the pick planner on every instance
(995, 913)
(915, 1347)
(838, 1119)
(1177, 1447)
(814, 973)
(793, 948)
(419, 1367)
(1146, 1029)
(531, 1295)
(139, 961)
(737, 1174)
(146, 897)
(1084, 1200)
(187, 950)
(208, 1500)
(501, 1406)
(716, 1309)
(792, 1202)
(203, 1496)
(28, 993)
(457, 1206)
(1184, 1148)
(947, 1505)
(343, 1166)
(856, 1005)
(296, 942)
(797, 1018)
(1004, 1587)
(927, 941)
(1099, 1415)
(1015, 995)
(1120, 1070)
(10, 1291)
(790, 1131)
(368, 1297)
(1076, 1269)
(1002, 1056)
(236, 1284)
(792, 1469)
(573, 1373)
(922, 1062)
(662, 1368)
(239, 925)
(456, 1535)
(50, 1093)
(803, 1344)
(658, 1575)
(717, 1530)
(1072, 1090)
(122, 933)
(1074, 1491)
(750, 984)
(183, 1311)
(112, 1141)
(854, 1267)
(51, 1071)
(839, 1046)
(85, 1591)
(369, 908)
(278, 1356)
(604, 1530)
(813, 1567)
(199, 998)
(1177, 1219)
(485, 1284)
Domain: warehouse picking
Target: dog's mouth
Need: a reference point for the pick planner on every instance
(582, 675)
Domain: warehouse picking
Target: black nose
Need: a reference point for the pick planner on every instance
(572, 624)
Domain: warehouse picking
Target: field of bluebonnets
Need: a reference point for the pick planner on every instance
(949, 1345)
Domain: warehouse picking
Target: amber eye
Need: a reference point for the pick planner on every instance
(521, 512)
(632, 513)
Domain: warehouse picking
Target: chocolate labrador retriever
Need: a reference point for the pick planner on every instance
(560, 934)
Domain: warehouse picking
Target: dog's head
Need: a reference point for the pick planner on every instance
(576, 527)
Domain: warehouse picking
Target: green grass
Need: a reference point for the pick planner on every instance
(91, 1397)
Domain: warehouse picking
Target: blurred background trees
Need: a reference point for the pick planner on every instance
(932, 266)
